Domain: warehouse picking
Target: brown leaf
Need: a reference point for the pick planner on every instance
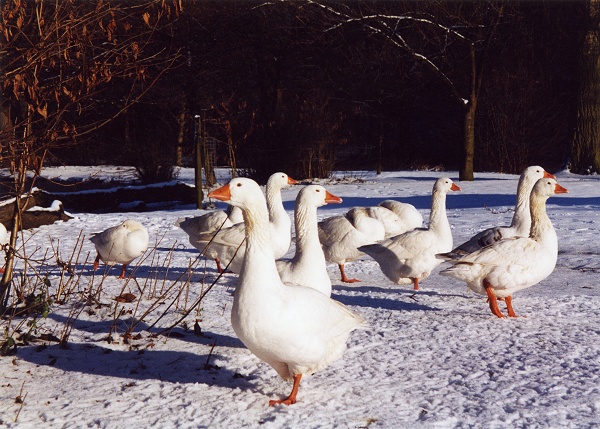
(43, 110)
(125, 297)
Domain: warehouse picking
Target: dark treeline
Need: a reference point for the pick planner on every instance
(296, 87)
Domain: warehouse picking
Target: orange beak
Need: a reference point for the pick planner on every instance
(332, 199)
(223, 193)
(455, 187)
(560, 190)
(292, 181)
(549, 176)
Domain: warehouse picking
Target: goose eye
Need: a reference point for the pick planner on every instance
(238, 185)
(318, 190)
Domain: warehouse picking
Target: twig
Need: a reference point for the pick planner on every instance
(212, 347)
(20, 400)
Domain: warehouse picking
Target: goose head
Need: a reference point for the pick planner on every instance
(317, 196)
(445, 185)
(239, 192)
(546, 187)
(132, 226)
(280, 180)
(533, 173)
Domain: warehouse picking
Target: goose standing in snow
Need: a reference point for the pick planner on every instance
(308, 266)
(209, 224)
(410, 257)
(340, 236)
(121, 244)
(226, 245)
(521, 221)
(507, 266)
(295, 329)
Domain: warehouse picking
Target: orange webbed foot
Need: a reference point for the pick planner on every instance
(492, 300)
(344, 278)
(290, 399)
(509, 307)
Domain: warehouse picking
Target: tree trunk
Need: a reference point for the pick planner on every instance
(585, 155)
(379, 147)
(466, 172)
(180, 135)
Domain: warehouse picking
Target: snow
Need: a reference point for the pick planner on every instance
(436, 358)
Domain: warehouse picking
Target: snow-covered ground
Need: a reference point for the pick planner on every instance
(434, 358)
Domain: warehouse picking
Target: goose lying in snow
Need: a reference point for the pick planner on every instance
(340, 236)
(397, 218)
(521, 221)
(507, 266)
(410, 257)
(226, 245)
(120, 244)
(209, 223)
(308, 266)
(4, 238)
(295, 329)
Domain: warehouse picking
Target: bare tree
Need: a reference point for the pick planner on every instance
(428, 40)
(59, 58)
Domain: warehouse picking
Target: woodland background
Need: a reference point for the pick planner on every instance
(304, 87)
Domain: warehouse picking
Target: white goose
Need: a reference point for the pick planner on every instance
(209, 223)
(4, 238)
(226, 245)
(121, 244)
(308, 266)
(340, 236)
(410, 257)
(521, 221)
(295, 329)
(504, 267)
(397, 218)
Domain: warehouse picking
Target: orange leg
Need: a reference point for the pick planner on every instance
(96, 262)
(219, 267)
(344, 278)
(492, 300)
(122, 276)
(415, 283)
(509, 307)
(292, 398)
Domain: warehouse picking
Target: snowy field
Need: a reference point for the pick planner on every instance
(436, 358)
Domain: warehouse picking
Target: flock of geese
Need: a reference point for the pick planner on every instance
(282, 310)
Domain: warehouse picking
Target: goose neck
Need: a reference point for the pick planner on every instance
(307, 233)
(541, 226)
(274, 202)
(437, 217)
(522, 217)
(256, 220)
